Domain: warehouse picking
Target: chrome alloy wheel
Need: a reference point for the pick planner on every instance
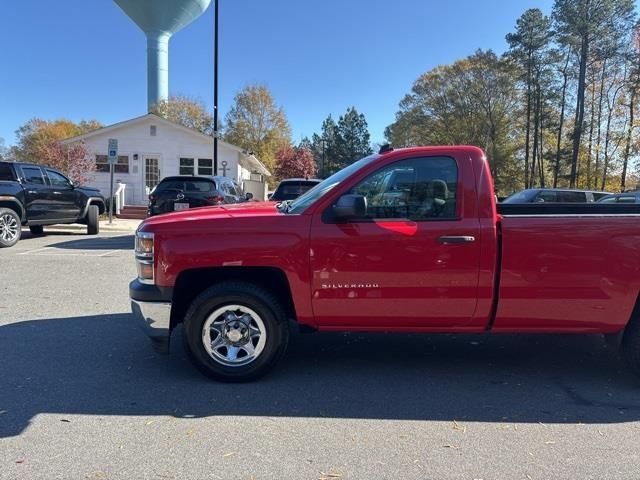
(8, 227)
(234, 335)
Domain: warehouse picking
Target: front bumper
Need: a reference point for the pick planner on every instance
(151, 310)
(155, 319)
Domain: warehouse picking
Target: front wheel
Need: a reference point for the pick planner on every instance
(10, 228)
(235, 332)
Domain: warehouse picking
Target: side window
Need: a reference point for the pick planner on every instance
(546, 197)
(58, 180)
(6, 172)
(415, 189)
(33, 175)
(627, 199)
(233, 189)
(609, 200)
(572, 197)
(598, 195)
(224, 187)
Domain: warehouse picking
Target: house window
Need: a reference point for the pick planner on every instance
(186, 166)
(122, 166)
(205, 166)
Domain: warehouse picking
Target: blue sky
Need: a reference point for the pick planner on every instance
(83, 59)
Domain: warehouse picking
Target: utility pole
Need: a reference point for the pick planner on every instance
(215, 88)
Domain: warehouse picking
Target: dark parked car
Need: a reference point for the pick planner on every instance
(292, 188)
(35, 196)
(555, 195)
(184, 192)
(627, 197)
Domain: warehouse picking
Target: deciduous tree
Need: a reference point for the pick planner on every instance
(295, 162)
(257, 124)
(74, 160)
(187, 111)
(582, 24)
(473, 101)
(35, 136)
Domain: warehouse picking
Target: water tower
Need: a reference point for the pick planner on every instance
(159, 19)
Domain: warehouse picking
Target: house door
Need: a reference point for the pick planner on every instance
(151, 174)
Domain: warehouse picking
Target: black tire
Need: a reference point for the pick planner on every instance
(630, 347)
(36, 229)
(93, 220)
(10, 228)
(249, 296)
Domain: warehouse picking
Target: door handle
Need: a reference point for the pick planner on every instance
(57, 193)
(31, 192)
(456, 239)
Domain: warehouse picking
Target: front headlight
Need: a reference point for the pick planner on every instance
(144, 257)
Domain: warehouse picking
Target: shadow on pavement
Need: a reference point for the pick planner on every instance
(103, 365)
(120, 242)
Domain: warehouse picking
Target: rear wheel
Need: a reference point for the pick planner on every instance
(93, 221)
(630, 347)
(36, 229)
(235, 332)
(10, 228)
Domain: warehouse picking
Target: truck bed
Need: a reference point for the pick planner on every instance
(568, 267)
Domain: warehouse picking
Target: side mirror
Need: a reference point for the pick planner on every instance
(269, 196)
(249, 196)
(349, 207)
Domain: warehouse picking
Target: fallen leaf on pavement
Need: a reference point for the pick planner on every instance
(457, 426)
(455, 447)
(229, 454)
(326, 476)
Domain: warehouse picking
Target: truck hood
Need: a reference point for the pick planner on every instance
(247, 209)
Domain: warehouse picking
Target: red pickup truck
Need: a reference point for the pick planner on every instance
(408, 240)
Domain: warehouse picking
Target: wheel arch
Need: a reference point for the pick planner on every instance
(13, 204)
(190, 283)
(94, 201)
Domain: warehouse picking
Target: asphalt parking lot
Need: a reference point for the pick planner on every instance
(83, 395)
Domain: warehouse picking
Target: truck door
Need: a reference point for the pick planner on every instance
(66, 199)
(411, 262)
(39, 202)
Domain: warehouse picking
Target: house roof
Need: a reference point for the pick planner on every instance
(246, 158)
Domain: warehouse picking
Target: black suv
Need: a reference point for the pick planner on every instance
(184, 192)
(35, 196)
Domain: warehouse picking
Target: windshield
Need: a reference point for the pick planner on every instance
(303, 202)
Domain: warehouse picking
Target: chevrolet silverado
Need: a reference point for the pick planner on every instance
(407, 240)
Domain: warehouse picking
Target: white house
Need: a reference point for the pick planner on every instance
(151, 148)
